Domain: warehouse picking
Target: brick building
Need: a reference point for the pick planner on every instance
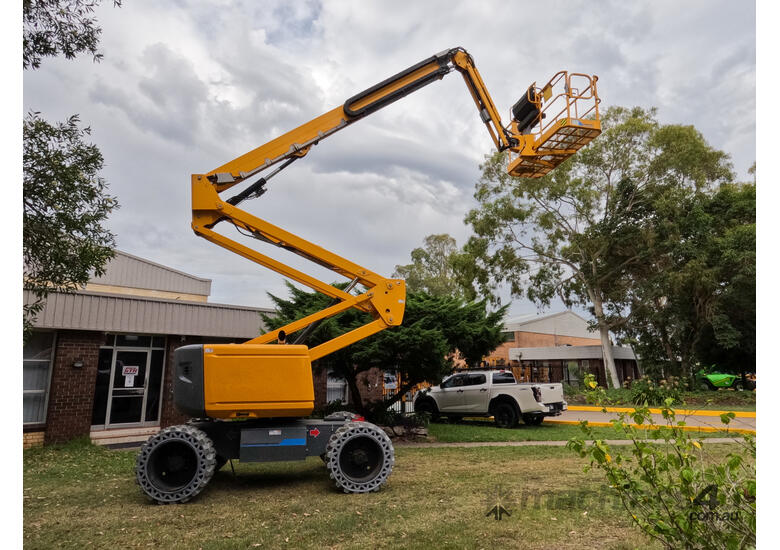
(558, 347)
(100, 360)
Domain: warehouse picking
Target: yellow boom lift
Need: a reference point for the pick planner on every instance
(250, 400)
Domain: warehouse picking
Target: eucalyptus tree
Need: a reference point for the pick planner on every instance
(584, 231)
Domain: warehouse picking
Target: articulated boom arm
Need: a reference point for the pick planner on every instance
(384, 298)
(536, 143)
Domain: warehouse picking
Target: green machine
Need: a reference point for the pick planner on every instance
(709, 379)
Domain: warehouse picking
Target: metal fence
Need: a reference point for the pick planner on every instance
(405, 406)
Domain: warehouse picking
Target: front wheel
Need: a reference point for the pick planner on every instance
(505, 415)
(426, 406)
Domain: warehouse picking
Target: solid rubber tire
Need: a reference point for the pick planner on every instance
(206, 459)
(347, 433)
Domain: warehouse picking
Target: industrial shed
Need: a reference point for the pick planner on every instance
(99, 361)
(568, 364)
(557, 347)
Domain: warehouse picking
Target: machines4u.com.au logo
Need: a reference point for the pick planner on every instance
(708, 504)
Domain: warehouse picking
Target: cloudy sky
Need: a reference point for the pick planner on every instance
(186, 86)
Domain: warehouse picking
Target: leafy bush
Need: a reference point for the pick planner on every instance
(645, 391)
(578, 396)
(674, 491)
(570, 391)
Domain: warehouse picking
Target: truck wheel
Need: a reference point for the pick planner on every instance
(706, 385)
(505, 415)
(738, 385)
(426, 406)
(359, 457)
(175, 464)
(533, 419)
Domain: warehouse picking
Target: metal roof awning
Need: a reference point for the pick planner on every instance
(132, 314)
(126, 270)
(564, 353)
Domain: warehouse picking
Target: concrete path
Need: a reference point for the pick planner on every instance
(708, 422)
(423, 445)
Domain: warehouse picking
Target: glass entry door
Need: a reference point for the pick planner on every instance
(128, 387)
(129, 382)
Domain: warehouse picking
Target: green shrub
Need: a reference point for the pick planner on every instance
(390, 417)
(674, 491)
(645, 391)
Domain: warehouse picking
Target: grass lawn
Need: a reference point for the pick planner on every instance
(474, 430)
(750, 407)
(80, 496)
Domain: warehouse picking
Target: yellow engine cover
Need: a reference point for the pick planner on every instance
(257, 381)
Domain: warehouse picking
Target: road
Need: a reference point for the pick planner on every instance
(703, 419)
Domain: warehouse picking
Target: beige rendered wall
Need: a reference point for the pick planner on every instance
(112, 289)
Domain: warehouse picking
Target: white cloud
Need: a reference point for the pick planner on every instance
(185, 86)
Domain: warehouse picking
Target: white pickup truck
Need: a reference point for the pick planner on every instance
(493, 393)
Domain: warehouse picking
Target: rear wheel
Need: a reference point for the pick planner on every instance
(706, 385)
(176, 464)
(359, 457)
(738, 385)
(533, 419)
(505, 415)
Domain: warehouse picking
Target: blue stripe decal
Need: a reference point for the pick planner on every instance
(283, 443)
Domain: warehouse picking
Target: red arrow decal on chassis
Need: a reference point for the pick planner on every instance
(314, 433)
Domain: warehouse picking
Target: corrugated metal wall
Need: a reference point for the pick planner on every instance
(565, 323)
(113, 313)
(568, 352)
(129, 271)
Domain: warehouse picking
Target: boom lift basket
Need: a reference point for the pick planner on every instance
(555, 121)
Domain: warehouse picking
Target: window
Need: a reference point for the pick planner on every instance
(573, 373)
(476, 380)
(508, 336)
(503, 378)
(390, 380)
(134, 341)
(456, 381)
(337, 389)
(37, 358)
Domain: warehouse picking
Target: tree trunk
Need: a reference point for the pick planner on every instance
(354, 394)
(380, 406)
(606, 345)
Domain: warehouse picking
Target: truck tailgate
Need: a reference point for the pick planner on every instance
(552, 393)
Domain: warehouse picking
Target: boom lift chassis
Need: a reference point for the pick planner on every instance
(250, 401)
